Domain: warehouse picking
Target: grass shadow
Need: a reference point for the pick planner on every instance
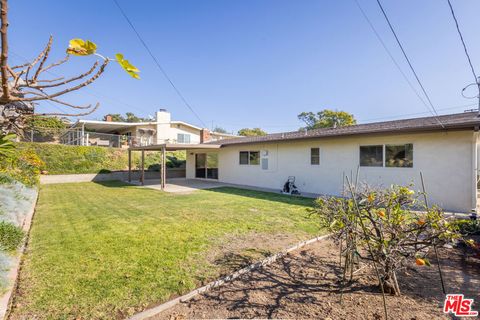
(113, 184)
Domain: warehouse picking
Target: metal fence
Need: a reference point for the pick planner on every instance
(84, 138)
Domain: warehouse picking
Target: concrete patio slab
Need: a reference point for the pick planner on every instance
(182, 185)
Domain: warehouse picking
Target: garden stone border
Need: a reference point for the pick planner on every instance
(7, 298)
(219, 282)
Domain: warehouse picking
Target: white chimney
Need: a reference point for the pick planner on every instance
(163, 116)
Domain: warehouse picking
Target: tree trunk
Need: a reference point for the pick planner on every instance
(4, 53)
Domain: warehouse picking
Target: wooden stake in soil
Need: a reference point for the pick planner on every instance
(434, 244)
(369, 248)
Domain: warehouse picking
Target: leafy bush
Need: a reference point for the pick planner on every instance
(37, 121)
(11, 236)
(468, 227)
(7, 145)
(22, 165)
(176, 159)
(390, 225)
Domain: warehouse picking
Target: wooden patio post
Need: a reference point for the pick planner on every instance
(142, 177)
(129, 165)
(164, 168)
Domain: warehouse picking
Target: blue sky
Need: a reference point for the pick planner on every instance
(258, 63)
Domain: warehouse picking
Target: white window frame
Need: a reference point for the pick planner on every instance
(384, 154)
(314, 164)
(248, 152)
(184, 135)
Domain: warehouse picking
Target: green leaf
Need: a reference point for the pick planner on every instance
(7, 145)
(79, 47)
(127, 66)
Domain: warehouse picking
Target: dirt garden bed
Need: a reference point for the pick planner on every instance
(305, 284)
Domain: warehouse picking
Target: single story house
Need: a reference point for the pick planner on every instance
(443, 148)
(124, 134)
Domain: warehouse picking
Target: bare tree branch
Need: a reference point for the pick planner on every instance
(56, 64)
(45, 57)
(69, 114)
(50, 80)
(45, 95)
(26, 64)
(81, 85)
(83, 75)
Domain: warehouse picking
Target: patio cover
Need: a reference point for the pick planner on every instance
(163, 148)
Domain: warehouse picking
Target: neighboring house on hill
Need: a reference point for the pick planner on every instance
(392, 152)
(117, 134)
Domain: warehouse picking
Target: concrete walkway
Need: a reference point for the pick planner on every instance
(182, 185)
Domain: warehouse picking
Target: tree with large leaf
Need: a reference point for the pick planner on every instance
(24, 86)
(326, 119)
(251, 132)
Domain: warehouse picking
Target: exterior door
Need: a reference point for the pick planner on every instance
(200, 165)
(206, 165)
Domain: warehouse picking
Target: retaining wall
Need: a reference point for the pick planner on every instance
(116, 175)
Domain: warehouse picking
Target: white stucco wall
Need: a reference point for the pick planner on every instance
(444, 158)
(168, 131)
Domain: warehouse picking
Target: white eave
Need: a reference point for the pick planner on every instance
(108, 126)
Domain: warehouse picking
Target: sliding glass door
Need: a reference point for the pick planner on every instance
(206, 165)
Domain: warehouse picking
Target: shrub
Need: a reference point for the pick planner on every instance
(22, 165)
(11, 236)
(65, 159)
(468, 227)
(390, 225)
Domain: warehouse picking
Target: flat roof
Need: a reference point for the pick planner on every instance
(101, 125)
(458, 121)
(174, 147)
(109, 126)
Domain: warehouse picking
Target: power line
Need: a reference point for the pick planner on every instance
(418, 113)
(390, 54)
(250, 125)
(158, 64)
(435, 114)
(463, 42)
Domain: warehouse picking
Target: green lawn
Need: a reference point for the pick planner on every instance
(109, 250)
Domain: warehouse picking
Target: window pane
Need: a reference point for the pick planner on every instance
(180, 138)
(243, 157)
(315, 156)
(254, 157)
(186, 138)
(371, 156)
(212, 160)
(399, 155)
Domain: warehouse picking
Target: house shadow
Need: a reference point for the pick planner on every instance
(266, 290)
(263, 195)
(112, 183)
(311, 280)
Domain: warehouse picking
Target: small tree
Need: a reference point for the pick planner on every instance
(247, 132)
(129, 117)
(219, 130)
(23, 86)
(117, 117)
(390, 225)
(327, 119)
